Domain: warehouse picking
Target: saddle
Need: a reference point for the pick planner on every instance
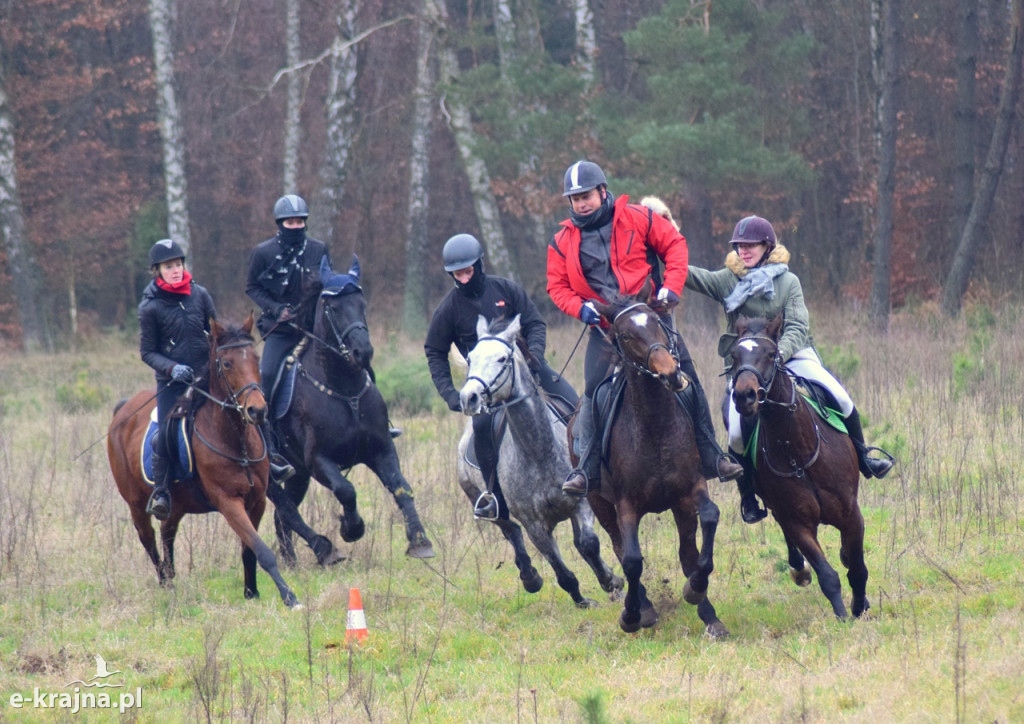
(499, 424)
(817, 397)
(607, 402)
(283, 389)
(182, 464)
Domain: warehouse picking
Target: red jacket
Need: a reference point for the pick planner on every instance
(635, 228)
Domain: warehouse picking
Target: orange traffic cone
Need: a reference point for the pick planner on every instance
(355, 624)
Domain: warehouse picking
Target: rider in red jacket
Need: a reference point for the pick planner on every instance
(608, 248)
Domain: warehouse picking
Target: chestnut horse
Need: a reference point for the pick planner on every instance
(807, 472)
(652, 464)
(230, 459)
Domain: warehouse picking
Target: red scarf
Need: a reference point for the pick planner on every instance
(182, 287)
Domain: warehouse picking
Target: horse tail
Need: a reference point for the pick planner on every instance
(120, 404)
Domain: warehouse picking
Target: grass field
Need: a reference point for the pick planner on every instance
(455, 638)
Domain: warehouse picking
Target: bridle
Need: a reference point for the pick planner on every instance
(341, 349)
(506, 374)
(670, 334)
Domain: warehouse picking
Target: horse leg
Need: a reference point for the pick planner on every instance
(168, 532)
(806, 539)
(532, 581)
(544, 542)
(287, 519)
(589, 546)
(243, 523)
(698, 565)
(326, 471)
(144, 527)
(389, 471)
(799, 571)
(637, 609)
(851, 554)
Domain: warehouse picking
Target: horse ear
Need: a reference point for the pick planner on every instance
(247, 324)
(742, 324)
(646, 294)
(481, 327)
(325, 270)
(512, 331)
(775, 326)
(605, 310)
(215, 328)
(354, 269)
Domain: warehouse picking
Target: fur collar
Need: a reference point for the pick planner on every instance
(779, 255)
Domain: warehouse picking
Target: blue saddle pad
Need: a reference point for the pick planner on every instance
(182, 465)
(284, 388)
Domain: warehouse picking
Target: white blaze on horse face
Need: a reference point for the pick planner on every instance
(748, 344)
(640, 319)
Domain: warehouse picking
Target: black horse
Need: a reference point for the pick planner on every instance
(335, 420)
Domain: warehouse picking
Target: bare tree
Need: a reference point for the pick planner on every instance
(964, 114)
(963, 262)
(24, 273)
(292, 112)
(161, 22)
(885, 28)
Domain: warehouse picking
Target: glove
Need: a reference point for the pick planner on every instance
(285, 313)
(454, 401)
(665, 302)
(182, 373)
(589, 315)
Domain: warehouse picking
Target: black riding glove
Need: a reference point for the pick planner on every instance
(454, 401)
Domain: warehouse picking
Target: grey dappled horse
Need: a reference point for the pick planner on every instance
(533, 460)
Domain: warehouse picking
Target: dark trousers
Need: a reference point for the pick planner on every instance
(276, 347)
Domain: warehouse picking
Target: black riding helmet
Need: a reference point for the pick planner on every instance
(581, 177)
(165, 250)
(290, 206)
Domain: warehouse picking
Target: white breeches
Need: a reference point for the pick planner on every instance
(806, 364)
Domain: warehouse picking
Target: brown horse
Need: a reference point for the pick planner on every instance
(807, 472)
(230, 456)
(653, 465)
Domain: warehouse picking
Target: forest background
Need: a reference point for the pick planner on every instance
(880, 137)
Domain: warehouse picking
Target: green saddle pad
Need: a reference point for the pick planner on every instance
(832, 417)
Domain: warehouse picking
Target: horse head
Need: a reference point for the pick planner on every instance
(755, 360)
(341, 314)
(235, 370)
(491, 378)
(643, 339)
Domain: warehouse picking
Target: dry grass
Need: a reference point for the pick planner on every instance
(456, 639)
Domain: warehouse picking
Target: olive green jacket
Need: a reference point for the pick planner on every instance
(788, 299)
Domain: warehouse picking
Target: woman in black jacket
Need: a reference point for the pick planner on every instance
(174, 319)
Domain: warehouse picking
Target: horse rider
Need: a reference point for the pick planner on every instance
(454, 322)
(174, 319)
(284, 280)
(756, 282)
(607, 248)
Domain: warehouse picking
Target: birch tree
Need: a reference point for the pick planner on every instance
(161, 22)
(292, 115)
(24, 273)
(586, 45)
(458, 118)
(963, 261)
(885, 31)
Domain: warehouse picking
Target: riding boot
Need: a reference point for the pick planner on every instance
(159, 505)
(869, 467)
(586, 476)
(714, 462)
(280, 468)
(750, 508)
(487, 506)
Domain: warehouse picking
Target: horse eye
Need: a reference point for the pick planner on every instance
(502, 360)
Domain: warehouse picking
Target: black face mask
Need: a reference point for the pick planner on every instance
(290, 237)
(475, 286)
(595, 219)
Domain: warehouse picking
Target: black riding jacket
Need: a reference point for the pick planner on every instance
(455, 319)
(272, 286)
(173, 327)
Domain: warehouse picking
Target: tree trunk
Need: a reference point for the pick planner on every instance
(414, 301)
(340, 111)
(964, 114)
(292, 117)
(161, 24)
(885, 27)
(25, 275)
(484, 202)
(586, 45)
(963, 262)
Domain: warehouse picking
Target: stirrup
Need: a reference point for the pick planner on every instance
(395, 432)
(571, 488)
(486, 507)
(886, 463)
(159, 505)
(728, 475)
(280, 469)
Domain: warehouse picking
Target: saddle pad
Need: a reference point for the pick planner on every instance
(829, 415)
(498, 428)
(284, 389)
(183, 464)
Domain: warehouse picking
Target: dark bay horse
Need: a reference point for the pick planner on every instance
(338, 419)
(807, 471)
(533, 460)
(230, 459)
(652, 464)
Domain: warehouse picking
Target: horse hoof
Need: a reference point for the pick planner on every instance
(532, 583)
(326, 553)
(648, 617)
(297, 606)
(860, 607)
(615, 585)
(627, 622)
(717, 630)
(351, 532)
(421, 550)
(692, 596)
(251, 594)
(586, 603)
(801, 577)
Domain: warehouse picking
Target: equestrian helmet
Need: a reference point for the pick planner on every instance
(754, 230)
(461, 251)
(291, 206)
(165, 250)
(581, 177)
